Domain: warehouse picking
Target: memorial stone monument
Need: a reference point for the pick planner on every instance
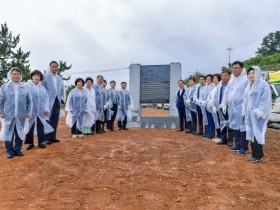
(154, 84)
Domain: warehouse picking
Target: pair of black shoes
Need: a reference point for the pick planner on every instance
(12, 153)
(125, 128)
(199, 133)
(188, 131)
(99, 132)
(30, 146)
(52, 140)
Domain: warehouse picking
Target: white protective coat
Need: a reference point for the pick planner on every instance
(91, 105)
(125, 105)
(40, 101)
(76, 107)
(15, 103)
(257, 107)
(233, 100)
(204, 101)
(212, 104)
(54, 89)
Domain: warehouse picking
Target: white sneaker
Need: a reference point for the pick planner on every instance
(74, 136)
(81, 136)
(218, 140)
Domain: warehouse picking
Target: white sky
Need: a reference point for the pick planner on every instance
(108, 34)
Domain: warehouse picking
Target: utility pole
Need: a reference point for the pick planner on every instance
(229, 51)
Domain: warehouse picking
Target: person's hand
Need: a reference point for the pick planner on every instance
(62, 106)
(214, 110)
(203, 103)
(224, 108)
(46, 113)
(2, 116)
(27, 116)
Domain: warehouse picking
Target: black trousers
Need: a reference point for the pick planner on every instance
(226, 130)
(122, 124)
(105, 120)
(74, 129)
(257, 149)
(194, 122)
(54, 119)
(98, 125)
(40, 133)
(182, 118)
(113, 117)
(18, 142)
(200, 119)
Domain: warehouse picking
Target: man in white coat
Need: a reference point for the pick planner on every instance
(54, 86)
(233, 100)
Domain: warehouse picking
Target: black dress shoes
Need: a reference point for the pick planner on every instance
(55, 140)
(187, 131)
(29, 146)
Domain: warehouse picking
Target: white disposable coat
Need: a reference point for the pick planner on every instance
(76, 107)
(91, 105)
(40, 101)
(55, 88)
(233, 100)
(15, 103)
(257, 107)
(125, 105)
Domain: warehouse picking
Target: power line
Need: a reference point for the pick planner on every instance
(85, 72)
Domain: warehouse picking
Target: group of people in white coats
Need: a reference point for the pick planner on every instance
(34, 108)
(93, 109)
(227, 108)
(31, 108)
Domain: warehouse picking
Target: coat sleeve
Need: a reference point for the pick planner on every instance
(245, 101)
(265, 103)
(46, 100)
(2, 100)
(69, 103)
(225, 97)
(63, 93)
(29, 103)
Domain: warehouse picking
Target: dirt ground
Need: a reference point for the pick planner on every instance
(139, 169)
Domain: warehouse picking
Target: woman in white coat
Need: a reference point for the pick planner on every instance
(37, 122)
(91, 106)
(77, 109)
(256, 110)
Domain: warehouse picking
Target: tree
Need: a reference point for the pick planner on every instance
(196, 75)
(271, 62)
(69, 88)
(10, 56)
(270, 44)
(19, 60)
(226, 69)
(63, 67)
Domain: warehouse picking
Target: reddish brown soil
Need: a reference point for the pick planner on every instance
(139, 169)
(154, 112)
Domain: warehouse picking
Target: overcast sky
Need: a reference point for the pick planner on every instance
(97, 35)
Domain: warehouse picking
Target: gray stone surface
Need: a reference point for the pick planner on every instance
(138, 121)
(134, 89)
(175, 75)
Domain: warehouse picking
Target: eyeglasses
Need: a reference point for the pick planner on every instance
(236, 68)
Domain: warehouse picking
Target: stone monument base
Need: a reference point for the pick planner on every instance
(170, 122)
